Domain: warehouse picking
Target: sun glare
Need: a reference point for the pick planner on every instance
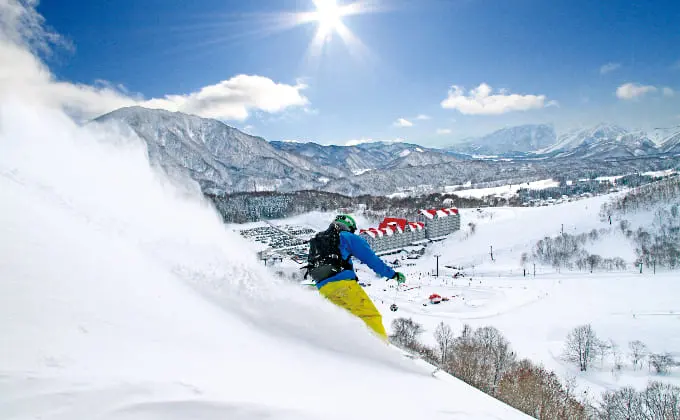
(326, 15)
(329, 16)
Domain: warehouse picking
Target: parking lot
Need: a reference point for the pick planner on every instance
(286, 241)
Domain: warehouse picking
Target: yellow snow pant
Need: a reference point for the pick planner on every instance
(349, 295)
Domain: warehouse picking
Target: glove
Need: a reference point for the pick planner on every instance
(399, 277)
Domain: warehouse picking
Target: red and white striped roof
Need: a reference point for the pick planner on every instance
(445, 212)
(387, 231)
(373, 232)
(395, 227)
(391, 229)
(416, 226)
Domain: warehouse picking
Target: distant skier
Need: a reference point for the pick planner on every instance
(330, 265)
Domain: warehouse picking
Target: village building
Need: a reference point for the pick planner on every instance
(394, 234)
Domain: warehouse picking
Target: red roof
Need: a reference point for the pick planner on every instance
(393, 220)
(387, 231)
(372, 232)
(428, 213)
(389, 228)
(431, 213)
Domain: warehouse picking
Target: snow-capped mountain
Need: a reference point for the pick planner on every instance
(360, 158)
(601, 142)
(668, 139)
(509, 141)
(219, 157)
(224, 159)
(421, 157)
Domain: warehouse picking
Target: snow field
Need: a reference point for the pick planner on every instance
(502, 191)
(536, 314)
(123, 296)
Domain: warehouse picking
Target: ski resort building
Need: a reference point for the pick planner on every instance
(440, 222)
(396, 233)
(393, 234)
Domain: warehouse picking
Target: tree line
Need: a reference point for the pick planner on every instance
(567, 251)
(657, 244)
(255, 206)
(484, 358)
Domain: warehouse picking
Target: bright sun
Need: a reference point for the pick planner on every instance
(329, 16)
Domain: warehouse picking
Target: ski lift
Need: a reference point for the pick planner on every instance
(394, 307)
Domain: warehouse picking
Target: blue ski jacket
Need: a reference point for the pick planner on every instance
(352, 245)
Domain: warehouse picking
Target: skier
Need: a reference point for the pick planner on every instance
(330, 265)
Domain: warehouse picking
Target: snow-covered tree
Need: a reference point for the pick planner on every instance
(638, 350)
(581, 346)
(661, 362)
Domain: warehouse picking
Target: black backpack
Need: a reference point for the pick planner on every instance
(324, 259)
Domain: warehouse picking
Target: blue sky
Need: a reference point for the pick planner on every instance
(566, 62)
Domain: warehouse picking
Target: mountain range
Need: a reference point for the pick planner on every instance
(223, 159)
(218, 156)
(509, 141)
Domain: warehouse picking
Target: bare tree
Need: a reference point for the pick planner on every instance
(581, 346)
(661, 362)
(497, 354)
(480, 358)
(406, 332)
(603, 348)
(538, 392)
(657, 401)
(444, 336)
(467, 331)
(616, 355)
(638, 350)
(594, 260)
(661, 401)
(626, 403)
(524, 259)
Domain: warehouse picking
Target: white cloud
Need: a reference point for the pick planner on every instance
(633, 90)
(423, 117)
(233, 99)
(401, 122)
(441, 131)
(481, 101)
(22, 73)
(668, 92)
(357, 142)
(609, 67)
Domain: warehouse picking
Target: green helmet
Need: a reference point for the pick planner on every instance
(346, 220)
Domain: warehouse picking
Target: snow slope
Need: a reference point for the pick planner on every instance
(668, 138)
(122, 296)
(536, 314)
(506, 191)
